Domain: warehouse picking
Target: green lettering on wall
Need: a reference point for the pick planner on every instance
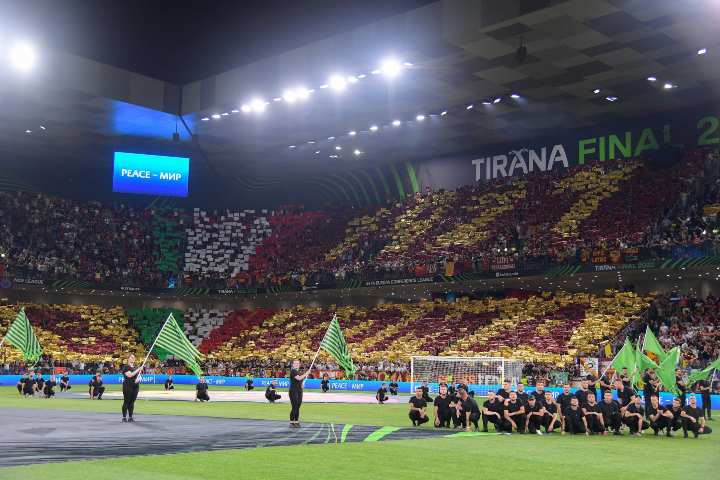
(584, 150)
(615, 145)
(647, 141)
(601, 149)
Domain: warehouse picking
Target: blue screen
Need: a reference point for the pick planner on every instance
(151, 174)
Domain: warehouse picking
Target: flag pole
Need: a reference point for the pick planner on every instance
(156, 337)
(318, 352)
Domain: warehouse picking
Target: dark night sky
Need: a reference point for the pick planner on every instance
(184, 40)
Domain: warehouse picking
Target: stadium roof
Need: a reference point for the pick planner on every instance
(450, 55)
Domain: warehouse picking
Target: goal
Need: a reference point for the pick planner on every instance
(481, 374)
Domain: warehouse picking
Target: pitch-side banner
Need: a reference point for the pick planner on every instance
(659, 138)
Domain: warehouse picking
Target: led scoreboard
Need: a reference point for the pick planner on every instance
(150, 174)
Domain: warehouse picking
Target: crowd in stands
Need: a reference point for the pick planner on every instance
(579, 214)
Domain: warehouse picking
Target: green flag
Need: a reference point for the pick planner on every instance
(704, 373)
(334, 343)
(172, 339)
(651, 344)
(625, 358)
(642, 363)
(21, 335)
(666, 369)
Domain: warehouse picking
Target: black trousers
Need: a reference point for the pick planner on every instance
(494, 419)
(417, 419)
(381, 398)
(393, 391)
(632, 423)
(64, 387)
(707, 406)
(535, 422)
(474, 418)
(98, 392)
(519, 422)
(49, 392)
(612, 422)
(444, 419)
(130, 393)
(295, 402)
(593, 423)
(20, 389)
(660, 424)
(694, 427)
(271, 397)
(574, 425)
(548, 420)
(203, 396)
(325, 388)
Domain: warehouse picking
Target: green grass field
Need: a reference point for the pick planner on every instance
(513, 456)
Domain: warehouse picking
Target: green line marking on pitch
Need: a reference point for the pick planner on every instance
(345, 430)
(380, 433)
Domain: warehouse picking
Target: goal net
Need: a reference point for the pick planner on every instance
(479, 373)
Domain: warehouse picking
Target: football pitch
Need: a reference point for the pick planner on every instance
(229, 440)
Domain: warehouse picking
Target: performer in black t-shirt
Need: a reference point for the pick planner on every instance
(201, 391)
(703, 388)
(443, 406)
(610, 410)
(169, 385)
(563, 400)
(539, 392)
(504, 391)
(325, 383)
(676, 411)
(418, 405)
(49, 388)
(575, 418)
(394, 387)
(426, 392)
(522, 395)
(651, 386)
(271, 392)
(21, 383)
(249, 383)
(493, 411)
(65, 382)
(381, 394)
(131, 388)
(39, 383)
(659, 417)
(625, 377)
(551, 419)
(681, 386)
(468, 411)
(634, 417)
(535, 413)
(605, 383)
(296, 392)
(514, 415)
(593, 416)
(592, 383)
(625, 395)
(95, 387)
(29, 386)
(693, 419)
(582, 393)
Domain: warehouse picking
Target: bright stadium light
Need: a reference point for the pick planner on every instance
(216, 116)
(352, 79)
(596, 91)
(246, 108)
(391, 67)
(258, 105)
(497, 100)
(338, 147)
(396, 123)
(352, 133)
(22, 56)
(514, 96)
(668, 86)
(205, 119)
(443, 113)
(357, 152)
(470, 107)
(611, 98)
(702, 51)
(289, 96)
(420, 118)
(337, 83)
(373, 128)
(651, 79)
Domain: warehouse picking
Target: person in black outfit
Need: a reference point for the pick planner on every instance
(514, 415)
(469, 412)
(131, 388)
(522, 394)
(169, 383)
(271, 392)
(381, 394)
(593, 416)
(504, 391)
(651, 386)
(625, 377)
(249, 384)
(444, 406)
(575, 418)
(535, 414)
(325, 383)
(582, 393)
(96, 388)
(659, 417)
(49, 388)
(605, 385)
(394, 387)
(703, 388)
(563, 400)
(610, 410)
(201, 391)
(296, 392)
(21, 383)
(625, 395)
(65, 382)
(551, 419)
(29, 386)
(592, 381)
(539, 392)
(39, 383)
(634, 417)
(676, 410)
(426, 392)
(681, 386)
(693, 419)
(418, 405)
(492, 411)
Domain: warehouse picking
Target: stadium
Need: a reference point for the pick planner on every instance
(323, 239)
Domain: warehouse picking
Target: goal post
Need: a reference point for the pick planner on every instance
(480, 373)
